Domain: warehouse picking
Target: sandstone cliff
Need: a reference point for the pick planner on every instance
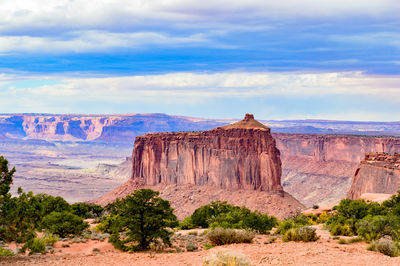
(377, 173)
(238, 163)
(318, 169)
(239, 156)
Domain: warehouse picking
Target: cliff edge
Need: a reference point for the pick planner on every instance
(377, 173)
(231, 163)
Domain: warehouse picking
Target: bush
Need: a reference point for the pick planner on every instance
(315, 207)
(190, 246)
(296, 222)
(35, 245)
(64, 224)
(305, 234)
(228, 258)
(5, 252)
(387, 247)
(221, 236)
(375, 227)
(50, 240)
(221, 214)
(186, 224)
(341, 230)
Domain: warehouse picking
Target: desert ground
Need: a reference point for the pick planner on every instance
(326, 251)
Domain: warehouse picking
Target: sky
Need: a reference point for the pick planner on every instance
(289, 59)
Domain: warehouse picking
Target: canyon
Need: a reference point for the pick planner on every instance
(318, 169)
(238, 163)
(88, 157)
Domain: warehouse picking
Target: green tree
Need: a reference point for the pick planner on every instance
(21, 217)
(64, 223)
(143, 217)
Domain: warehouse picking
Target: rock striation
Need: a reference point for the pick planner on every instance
(377, 173)
(318, 169)
(238, 156)
(238, 163)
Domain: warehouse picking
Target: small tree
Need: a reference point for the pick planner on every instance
(143, 216)
(6, 179)
(64, 223)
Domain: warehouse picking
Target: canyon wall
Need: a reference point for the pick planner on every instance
(377, 173)
(239, 156)
(237, 163)
(318, 169)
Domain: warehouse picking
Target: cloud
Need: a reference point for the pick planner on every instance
(203, 86)
(94, 41)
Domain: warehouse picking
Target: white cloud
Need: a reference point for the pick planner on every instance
(349, 95)
(122, 15)
(201, 86)
(93, 41)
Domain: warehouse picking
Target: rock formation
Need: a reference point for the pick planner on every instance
(318, 169)
(238, 156)
(232, 163)
(377, 173)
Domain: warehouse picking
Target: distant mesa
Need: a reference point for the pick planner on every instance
(377, 173)
(237, 158)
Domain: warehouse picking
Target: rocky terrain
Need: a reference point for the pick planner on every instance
(377, 173)
(318, 169)
(326, 251)
(85, 155)
(238, 163)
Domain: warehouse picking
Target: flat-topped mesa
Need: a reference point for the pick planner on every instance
(238, 156)
(377, 173)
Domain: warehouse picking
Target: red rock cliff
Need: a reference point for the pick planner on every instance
(318, 169)
(377, 173)
(238, 156)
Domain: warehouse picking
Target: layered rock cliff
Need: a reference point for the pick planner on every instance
(239, 156)
(377, 173)
(238, 163)
(318, 169)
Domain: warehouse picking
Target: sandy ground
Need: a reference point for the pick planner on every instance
(326, 251)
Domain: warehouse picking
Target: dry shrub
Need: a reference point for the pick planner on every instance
(305, 234)
(220, 236)
(227, 258)
(385, 246)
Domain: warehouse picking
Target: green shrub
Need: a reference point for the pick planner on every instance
(208, 246)
(342, 241)
(193, 233)
(50, 239)
(375, 227)
(227, 258)
(221, 236)
(295, 222)
(64, 224)
(221, 214)
(315, 207)
(5, 252)
(35, 245)
(186, 224)
(387, 247)
(285, 225)
(341, 230)
(305, 234)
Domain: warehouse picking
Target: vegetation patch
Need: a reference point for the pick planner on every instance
(221, 236)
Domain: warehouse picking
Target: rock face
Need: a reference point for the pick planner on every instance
(377, 173)
(318, 169)
(238, 163)
(238, 156)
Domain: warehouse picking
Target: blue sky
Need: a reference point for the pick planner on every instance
(277, 59)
